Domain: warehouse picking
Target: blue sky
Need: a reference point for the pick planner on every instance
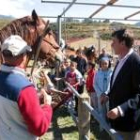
(20, 8)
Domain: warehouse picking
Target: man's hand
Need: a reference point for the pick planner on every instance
(113, 114)
(46, 99)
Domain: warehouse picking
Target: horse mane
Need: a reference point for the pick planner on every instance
(22, 28)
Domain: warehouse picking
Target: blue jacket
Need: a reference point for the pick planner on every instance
(102, 81)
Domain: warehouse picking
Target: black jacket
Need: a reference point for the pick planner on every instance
(126, 86)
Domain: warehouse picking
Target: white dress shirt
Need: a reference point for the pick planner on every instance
(120, 65)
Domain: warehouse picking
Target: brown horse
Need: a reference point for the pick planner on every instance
(89, 53)
(30, 28)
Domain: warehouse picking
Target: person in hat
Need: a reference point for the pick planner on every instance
(22, 117)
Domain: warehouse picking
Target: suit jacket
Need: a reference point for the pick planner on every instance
(125, 87)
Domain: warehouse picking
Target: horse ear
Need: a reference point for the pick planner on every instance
(35, 16)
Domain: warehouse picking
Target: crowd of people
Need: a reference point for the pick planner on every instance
(114, 91)
(93, 75)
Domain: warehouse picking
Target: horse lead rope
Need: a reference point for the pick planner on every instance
(38, 46)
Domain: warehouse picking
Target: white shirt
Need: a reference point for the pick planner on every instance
(120, 65)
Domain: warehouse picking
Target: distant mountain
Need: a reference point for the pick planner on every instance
(137, 24)
(6, 17)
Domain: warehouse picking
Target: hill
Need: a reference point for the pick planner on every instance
(77, 30)
(137, 24)
(6, 17)
(84, 30)
(4, 20)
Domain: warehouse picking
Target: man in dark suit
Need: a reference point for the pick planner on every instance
(124, 91)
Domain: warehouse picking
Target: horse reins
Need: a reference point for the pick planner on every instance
(46, 31)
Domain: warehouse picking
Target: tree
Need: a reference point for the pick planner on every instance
(69, 19)
(106, 21)
(87, 20)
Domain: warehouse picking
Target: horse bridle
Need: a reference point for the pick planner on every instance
(49, 43)
(48, 32)
(45, 32)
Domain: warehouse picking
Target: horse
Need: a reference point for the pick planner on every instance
(90, 53)
(30, 28)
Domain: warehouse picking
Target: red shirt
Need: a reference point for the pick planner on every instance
(89, 80)
(37, 118)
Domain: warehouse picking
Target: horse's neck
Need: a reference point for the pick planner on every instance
(18, 28)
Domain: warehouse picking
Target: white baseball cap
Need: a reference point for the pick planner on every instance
(16, 45)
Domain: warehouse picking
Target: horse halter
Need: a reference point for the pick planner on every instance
(48, 32)
(40, 38)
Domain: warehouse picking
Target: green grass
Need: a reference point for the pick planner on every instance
(64, 128)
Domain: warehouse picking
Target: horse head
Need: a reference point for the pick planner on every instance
(30, 28)
(90, 53)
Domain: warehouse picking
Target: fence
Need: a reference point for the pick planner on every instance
(83, 120)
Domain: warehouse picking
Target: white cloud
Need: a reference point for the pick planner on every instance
(15, 8)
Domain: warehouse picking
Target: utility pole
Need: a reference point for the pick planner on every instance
(65, 34)
(96, 34)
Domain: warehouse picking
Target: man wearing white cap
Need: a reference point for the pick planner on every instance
(21, 115)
